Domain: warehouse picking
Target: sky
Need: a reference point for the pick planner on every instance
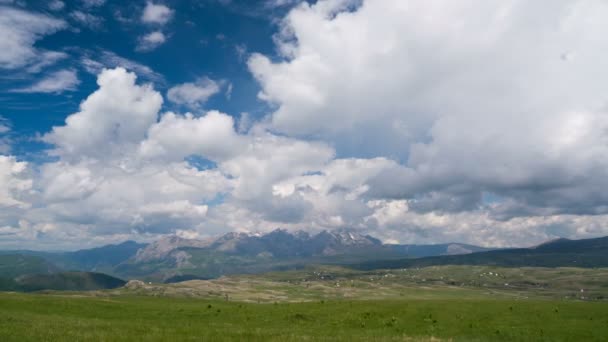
(475, 121)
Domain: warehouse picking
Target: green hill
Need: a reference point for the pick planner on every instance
(14, 265)
(32, 273)
(68, 281)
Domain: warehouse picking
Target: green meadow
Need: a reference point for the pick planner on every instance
(53, 317)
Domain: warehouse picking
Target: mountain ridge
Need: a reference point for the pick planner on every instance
(174, 257)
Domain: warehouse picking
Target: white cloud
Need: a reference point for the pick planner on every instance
(20, 30)
(46, 58)
(156, 14)
(109, 60)
(268, 159)
(14, 183)
(87, 19)
(56, 82)
(93, 3)
(477, 227)
(193, 94)
(175, 137)
(5, 140)
(281, 3)
(153, 198)
(112, 118)
(56, 5)
(151, 41)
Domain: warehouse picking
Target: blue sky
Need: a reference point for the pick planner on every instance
(416, 122)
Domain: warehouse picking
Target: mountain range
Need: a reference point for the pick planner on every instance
(174, 258)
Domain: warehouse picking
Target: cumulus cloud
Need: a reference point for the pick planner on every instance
(440, 87)
(268, 159)
(176, 137)
(156, 14)
(102, 182)
(193, 94)
(57, 82)
(110, 120)
(120, 170)
(151, 41)
(21, 30)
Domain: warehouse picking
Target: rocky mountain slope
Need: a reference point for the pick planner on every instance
(178, 258)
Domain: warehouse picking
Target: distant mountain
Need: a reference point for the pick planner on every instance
(278, 244)
(111, 255)
(164, 246)
(172, 258)
(100, 258)
(556, 253)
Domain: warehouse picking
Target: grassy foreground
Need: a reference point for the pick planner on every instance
(38, 317)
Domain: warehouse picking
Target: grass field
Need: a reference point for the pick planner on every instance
(37, 317)
(452, 303)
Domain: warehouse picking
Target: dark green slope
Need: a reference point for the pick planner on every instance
(559, 253)
(99, 259)
(68, 281)
(14, 265)
(32, 273)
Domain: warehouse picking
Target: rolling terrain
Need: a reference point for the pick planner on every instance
(586, 253)
(338, 283)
